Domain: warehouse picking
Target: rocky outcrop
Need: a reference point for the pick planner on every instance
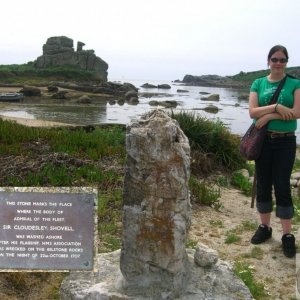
(59, 51)
(211, 81)
(109, 88)
(163, 86)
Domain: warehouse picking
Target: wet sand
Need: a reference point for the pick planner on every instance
(34, 122)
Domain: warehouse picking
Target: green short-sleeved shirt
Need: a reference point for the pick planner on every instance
(265, 90)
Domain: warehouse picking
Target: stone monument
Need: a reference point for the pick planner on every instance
(153, 263)
(156, 206)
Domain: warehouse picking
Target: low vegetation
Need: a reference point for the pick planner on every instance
(247, 274)
(29, 74)
(249, 77)
(63, 157)
(213, 146)
(69, 157)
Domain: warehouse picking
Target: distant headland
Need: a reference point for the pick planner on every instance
(241, 80)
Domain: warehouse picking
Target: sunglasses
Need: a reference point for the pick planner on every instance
(281, 60)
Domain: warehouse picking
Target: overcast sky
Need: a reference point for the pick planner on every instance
(156, 39)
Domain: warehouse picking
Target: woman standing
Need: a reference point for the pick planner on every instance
(275, 164)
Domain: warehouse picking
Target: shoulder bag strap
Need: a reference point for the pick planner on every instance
(277, 92)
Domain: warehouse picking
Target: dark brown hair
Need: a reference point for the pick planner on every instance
(278, 48)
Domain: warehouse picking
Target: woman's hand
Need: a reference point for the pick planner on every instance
(285, 112)
(262, 121)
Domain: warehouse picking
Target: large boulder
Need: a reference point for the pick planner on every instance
(30, 91)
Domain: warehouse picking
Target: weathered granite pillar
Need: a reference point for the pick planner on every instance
(156, 207)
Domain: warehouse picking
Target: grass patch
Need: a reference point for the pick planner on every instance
(246, 273)
(255, 252)
(191, 244)
(296, 166)
(216, 223)
(246, 226)
(203, 193)
(232, 238)
(296, 202)
(109, 220)
(94, 145)
(223, 181)
(241, 182)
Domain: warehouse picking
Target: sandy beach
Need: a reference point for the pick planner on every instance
(34, 122)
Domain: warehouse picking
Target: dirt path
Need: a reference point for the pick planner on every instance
(272, 268)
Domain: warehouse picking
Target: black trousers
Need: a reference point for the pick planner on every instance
(274, 168)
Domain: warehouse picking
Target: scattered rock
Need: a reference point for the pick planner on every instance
(244, 173)
(121, 102)
(211, 109)
(182, 91)
(204, 93)
(60, 95)
(244, 96)
(30, 91)
(126, 86)
(167, 103)
(148, 86)
(204, 256)
(131, 94)
(112, 102)
(213, 97)
(133, 101)
(296, 175)
(84, 99)
(164, 86)
(52, 89)
(150, 95)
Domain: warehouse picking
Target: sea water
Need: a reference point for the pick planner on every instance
(232, 111)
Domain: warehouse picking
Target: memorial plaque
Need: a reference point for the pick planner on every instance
(47, 231)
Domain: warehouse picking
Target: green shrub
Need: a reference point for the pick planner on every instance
(241, 182)
(212, 144)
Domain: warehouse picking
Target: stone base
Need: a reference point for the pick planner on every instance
(216, 281)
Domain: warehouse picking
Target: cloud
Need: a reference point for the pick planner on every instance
(161, 39)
